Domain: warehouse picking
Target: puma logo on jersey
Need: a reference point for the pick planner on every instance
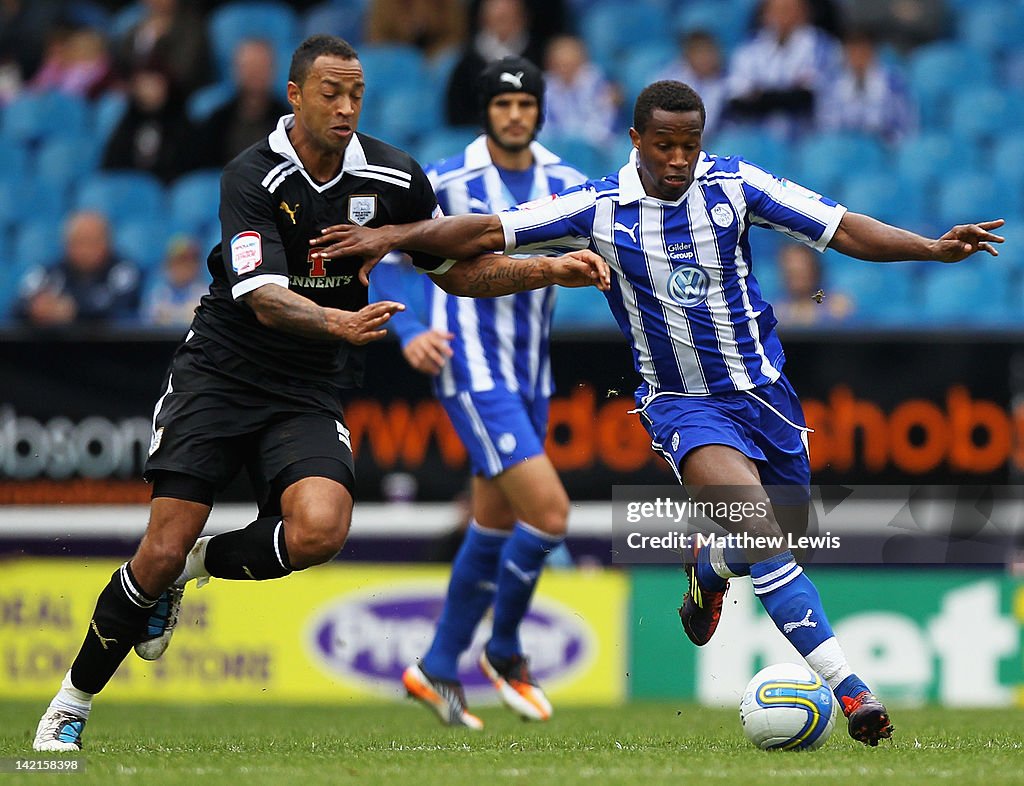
(516, 79)
(289, 210)
(103, 639)
(789, 627)
(631, 231)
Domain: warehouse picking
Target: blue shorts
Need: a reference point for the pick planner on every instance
(500, 428)
(765, 424)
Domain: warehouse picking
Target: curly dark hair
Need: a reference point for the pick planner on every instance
(312, 48)
(669, 96)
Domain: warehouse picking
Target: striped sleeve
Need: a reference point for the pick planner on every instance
(789, 208)
(551, 225)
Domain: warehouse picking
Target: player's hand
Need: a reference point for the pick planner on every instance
(581, 268)
(965, 239)
(367, 324)
(348, 240)
(429, 351)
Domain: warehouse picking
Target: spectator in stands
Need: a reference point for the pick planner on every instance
(173, 297)
(23, 28)
(580, 101)
(76, 62)
(503, 32)
(172, 34)
(802, 301)
(249, 116)
(868, 96)
(154, 133)
(433, 26)
(903, 23)
(699, 65)
(545, 19)
(89, 284)
(777, 76)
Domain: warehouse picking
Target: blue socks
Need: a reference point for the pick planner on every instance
(470, 592)
(793, 603)
(522, 560)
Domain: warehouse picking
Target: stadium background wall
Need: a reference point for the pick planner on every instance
(75, 414)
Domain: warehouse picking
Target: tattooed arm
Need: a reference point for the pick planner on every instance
(491, 275)
(287, 311)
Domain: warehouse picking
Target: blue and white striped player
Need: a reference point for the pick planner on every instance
(489, 362)
(673, 225)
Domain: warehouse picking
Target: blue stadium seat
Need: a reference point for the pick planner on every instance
(235, 22)
(399, 115)
(36, 116)
(31, 200)
(443, 142)
(974, 292)
(615, 26)
(990, 26)
(966, 197)
(825, 160)
(729, 22)
(343, 18)
(13, 161)
(924, 160)
(206, 100)
(122, 196)
(143, 242)
(941, 70)
(983, 114)
(640, 65)
(881, 294)
(64, 162)
(194, 200)
(756, 147)
(391, 66)
(579, 153)
(36, 243)
(107, 111)
(583, 309)
(1008, 157)
(874, 194)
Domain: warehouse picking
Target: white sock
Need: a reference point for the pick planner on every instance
(195, 564)
(716, 556)
(829, 661)
(71, 699)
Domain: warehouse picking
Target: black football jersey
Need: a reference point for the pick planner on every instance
(270, 208)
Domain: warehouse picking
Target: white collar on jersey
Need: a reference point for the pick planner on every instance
(632, 190)
(355, 157)
(478, 157)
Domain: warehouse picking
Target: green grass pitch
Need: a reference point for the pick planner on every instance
(639, 743)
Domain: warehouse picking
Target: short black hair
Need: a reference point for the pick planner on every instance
(669, 96)
(312, 48)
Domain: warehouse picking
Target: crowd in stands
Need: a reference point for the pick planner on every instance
(116, 117)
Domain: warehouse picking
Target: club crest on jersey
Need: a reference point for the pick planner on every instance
(246, 252)
(721, 214)
(362, 209)
(688, 286)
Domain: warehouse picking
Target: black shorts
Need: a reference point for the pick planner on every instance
(219, 413)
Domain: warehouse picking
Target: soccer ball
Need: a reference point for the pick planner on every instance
(787, 707)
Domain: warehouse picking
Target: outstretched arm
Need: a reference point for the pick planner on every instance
(491, 275)
(451, 237)
(864, 237)
(290, 312)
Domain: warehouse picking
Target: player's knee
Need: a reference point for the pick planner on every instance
(553, 517)
(316, 542)
(160, 563)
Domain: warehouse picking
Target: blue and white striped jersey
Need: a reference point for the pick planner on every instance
(500, 341)
(683, 290)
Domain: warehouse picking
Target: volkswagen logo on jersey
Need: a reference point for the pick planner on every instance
(688, 286)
